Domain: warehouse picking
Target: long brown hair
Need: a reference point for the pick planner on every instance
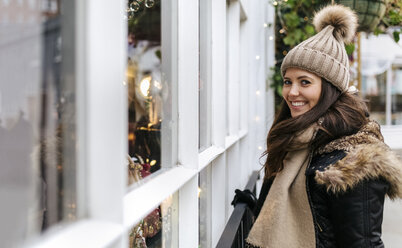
(343, 114)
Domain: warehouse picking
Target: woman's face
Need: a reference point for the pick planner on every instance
(301, 90)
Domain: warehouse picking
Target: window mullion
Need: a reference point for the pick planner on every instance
(106, 106)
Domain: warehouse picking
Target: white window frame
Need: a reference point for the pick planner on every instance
(107, 210)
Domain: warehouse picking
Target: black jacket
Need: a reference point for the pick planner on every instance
(346, 182)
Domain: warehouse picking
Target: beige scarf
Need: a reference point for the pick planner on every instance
(285, 219)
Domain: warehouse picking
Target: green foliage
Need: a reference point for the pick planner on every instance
(293, 25)
(396, 34)
(350, 48)
(276, 77)
(392, 20)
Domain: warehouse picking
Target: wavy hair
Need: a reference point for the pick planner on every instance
(343, 114)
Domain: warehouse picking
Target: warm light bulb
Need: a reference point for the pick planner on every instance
(271, 37)
(257, 92)
(257, 57)
(257, 118)
(265, 25)
(144, 85)
(260, 148)
(158, 85)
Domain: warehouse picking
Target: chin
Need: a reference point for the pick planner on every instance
(297, 114)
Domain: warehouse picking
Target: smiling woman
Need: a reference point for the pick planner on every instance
(301, 90)
(327, 170)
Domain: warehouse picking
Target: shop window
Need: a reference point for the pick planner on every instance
(385, 105)
(146, 88)
(160, 227)
(204, 75)
(374, 91)
(37, 117)
(396, 97)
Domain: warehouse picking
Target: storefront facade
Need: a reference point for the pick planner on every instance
(130, 124)
(382, 84)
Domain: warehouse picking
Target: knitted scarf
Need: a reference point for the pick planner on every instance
(285, 219)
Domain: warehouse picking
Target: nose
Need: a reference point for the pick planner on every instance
(294, 90)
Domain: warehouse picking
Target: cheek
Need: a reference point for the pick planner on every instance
(315, 97)
(285, 92)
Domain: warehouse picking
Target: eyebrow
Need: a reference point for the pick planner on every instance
(300, 77)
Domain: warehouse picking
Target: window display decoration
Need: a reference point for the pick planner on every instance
(136, 5)
(148, 230)
(146, 89)
(147, 233)
(146, 94)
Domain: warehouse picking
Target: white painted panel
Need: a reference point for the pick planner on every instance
(106, 105)
(83, 234)
(244, 163)
(218, 198)
(270, 62)
(140, 201)
(243, 80)
(233, 175)
(218, 76)
(233, 75)
(188, 214)
(169, 31)
(188, 82)
(257, 86)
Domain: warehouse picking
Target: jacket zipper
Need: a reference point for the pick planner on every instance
(319, 227)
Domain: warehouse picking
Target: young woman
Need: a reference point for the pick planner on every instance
(327, 169)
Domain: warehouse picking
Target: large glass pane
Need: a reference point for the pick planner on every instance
(374, 90)
(160, 227)
(37, 117)
(396, 100)
(146, 88)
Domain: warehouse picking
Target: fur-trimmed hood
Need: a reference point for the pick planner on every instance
(367, 157)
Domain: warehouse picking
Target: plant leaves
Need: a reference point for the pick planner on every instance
(396, 36)
(350, 48)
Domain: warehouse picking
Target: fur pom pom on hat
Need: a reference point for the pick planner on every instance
(324, 53)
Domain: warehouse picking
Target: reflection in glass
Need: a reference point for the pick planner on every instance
(160, 227)
(374, 90)
(37, 117)
(396, 98)
(146, 90)
(205, 207)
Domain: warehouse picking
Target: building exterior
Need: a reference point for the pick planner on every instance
(130, 123)
(382, 84)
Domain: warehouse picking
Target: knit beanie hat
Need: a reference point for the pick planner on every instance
(324, 54)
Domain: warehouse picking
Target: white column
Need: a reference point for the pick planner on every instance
(104, 103)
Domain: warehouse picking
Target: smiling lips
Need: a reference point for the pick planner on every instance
(298, 104)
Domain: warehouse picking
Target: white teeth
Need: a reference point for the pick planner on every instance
(298, 103)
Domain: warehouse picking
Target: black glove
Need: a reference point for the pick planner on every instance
(244, 196)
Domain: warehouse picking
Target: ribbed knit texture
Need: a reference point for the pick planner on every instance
(323, 54)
